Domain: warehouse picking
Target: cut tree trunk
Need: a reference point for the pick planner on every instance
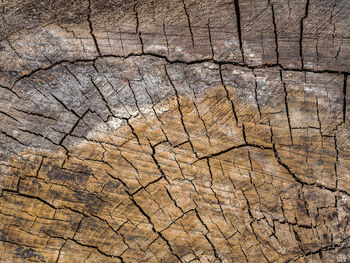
(174, 131)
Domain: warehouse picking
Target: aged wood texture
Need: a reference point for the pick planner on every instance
(174, 131)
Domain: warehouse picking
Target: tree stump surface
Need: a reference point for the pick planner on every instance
(174, 131)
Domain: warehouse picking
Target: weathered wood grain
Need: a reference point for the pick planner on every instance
(174, 131)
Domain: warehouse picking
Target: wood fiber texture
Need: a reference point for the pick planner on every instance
(174, 131)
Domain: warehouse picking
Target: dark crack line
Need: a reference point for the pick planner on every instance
(154, 229)
(256, 93)
(170, 61)
(44, 137)
(232, 148)
(47, 68)
(250, 215)
(228, 95)
(153, 155)
(30, 197)
(73, 127)
(75, 77)
(239, 28)
(180, 111)
(132, 130)
(203, 122)
(206, 237)
(189, 22)
(145, 187)
(10, 90)
(275, 32)
(302, 32)
(34, 114)
(135, 99)
(320, 250)
(344, 94)
(166, 39)
(286, 105)
(210, 40)
(65, 106)
(9, 116)
(137, 27)
(102, 96)
(212, 189)
(92, 30)
(298, 180)
(59, 252)
(174, 200)
(87, 245)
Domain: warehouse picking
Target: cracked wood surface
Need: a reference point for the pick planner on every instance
(174, 131)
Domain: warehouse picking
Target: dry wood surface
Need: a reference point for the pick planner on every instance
(174, 131)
